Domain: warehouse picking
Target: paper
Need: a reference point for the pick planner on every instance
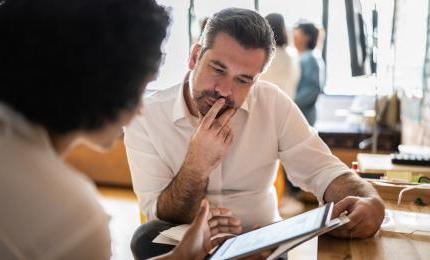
(172, 236)
(406, 222)
(160, 239)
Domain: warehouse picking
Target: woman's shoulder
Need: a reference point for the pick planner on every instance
(58, 204)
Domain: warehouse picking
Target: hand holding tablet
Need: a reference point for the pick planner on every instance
(307, 225)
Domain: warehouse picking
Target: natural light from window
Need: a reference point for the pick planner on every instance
(339, 79)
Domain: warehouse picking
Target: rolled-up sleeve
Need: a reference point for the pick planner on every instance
(307, 160)
(149, 173)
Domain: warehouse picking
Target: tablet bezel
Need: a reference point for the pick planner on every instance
(325, 220)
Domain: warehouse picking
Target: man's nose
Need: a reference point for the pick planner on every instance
(224, 88)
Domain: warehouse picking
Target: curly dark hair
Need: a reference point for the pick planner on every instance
(69, 65)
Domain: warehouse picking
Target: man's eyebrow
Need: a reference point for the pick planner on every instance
(218, 63)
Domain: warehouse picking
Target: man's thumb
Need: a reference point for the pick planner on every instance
(342, 205)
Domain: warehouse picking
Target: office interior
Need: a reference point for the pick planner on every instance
(375, 102)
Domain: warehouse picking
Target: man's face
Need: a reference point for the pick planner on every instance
(227, 70)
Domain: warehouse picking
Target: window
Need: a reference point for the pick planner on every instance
(294, 10)
(409, 50)
(339, 79)
(176, 46)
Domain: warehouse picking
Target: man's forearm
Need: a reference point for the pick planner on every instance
(349, 185)
(180, 200)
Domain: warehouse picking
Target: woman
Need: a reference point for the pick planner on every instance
(312, 68)
(70, 72)
(284, 69)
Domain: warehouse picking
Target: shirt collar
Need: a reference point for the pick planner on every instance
(180, 109)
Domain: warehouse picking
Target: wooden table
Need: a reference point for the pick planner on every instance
(385, 245)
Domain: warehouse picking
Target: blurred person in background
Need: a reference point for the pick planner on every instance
(312, 68)
(284, 70)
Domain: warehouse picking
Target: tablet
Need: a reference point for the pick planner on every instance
(274, 234)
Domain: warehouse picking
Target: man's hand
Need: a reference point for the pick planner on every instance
(179, 201)
(365, 214)
(210, 141)
(223, 221)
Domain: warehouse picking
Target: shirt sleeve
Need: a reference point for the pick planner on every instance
(307, 160)
(150, 174)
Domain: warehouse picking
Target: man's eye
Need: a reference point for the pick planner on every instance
(218, 70)
(242, 81)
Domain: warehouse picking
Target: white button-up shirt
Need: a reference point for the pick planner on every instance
(267, 127)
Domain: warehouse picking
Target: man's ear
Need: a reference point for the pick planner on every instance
(194, 55)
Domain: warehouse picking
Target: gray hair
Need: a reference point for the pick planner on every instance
(248, 27)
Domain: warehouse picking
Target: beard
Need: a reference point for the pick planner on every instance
(207, 98)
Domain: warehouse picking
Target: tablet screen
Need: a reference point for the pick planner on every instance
(274, 234)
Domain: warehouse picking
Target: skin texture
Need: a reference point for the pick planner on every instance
(361, 202)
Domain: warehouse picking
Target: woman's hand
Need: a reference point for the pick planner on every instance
(196, 243)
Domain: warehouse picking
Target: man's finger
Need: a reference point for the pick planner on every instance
(222, 212)
(355, 217)
(224, 132)
(211, 114)
(226, 229)
(224, 221)
(343, 205)
(229, 139)
(225, 118)
(350, 229)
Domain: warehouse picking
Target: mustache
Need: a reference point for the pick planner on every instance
(229, 103)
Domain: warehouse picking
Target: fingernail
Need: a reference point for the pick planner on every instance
(221, 100)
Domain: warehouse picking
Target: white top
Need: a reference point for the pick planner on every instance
(266, 128)
(284, 71)
(48, 210)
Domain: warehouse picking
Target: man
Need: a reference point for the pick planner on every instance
(218, 135)
(313, 70)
